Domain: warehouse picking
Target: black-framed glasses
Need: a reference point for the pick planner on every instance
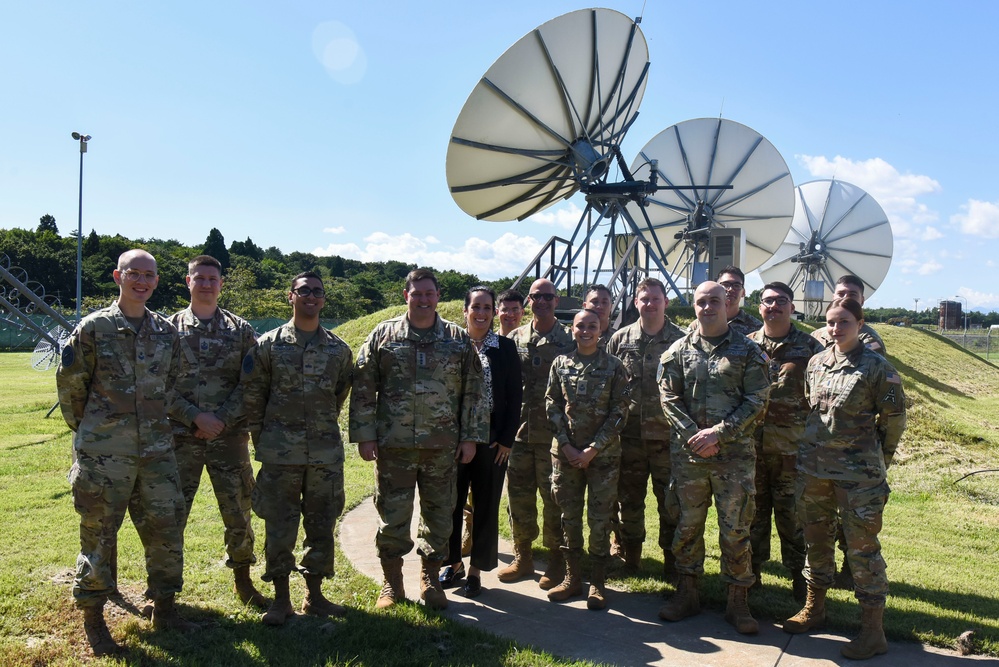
(775, 301)
(539, 296)
(729, 285)
(305, 290)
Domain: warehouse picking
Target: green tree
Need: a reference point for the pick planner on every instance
(47, 223)
(215, 246)
(247, 248)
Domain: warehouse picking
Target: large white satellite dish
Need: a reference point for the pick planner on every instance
(837, 229)
(548, 115)
(716, 152)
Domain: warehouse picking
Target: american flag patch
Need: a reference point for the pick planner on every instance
(893, 378)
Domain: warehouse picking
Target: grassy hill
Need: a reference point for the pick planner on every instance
(939, 539)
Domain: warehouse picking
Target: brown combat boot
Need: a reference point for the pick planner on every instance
(245, 590)
(392, 589)
(670, 575)
(737, 611)
(315, 603)
(597, 599)
(280, 609)
(555, 572)
(98, 635)
(430, 585)
(871, 641)
(572, 583)
(684, 602)
(632, 557)
(522, 565)
(165, 616)
(811, 616)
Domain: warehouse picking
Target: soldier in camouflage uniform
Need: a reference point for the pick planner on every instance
(734, 281)
(598, 299)
(214, 342)
(530, 468)
(295, 381)
(779, 434)
(857, 420)
(587, 402)
(645, 441)
(414, 411)
(714, 385)
(850, 286)
(115, 384)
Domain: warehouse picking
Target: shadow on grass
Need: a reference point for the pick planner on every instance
(928, 381)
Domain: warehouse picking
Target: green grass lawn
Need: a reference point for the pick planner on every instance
(939, 541)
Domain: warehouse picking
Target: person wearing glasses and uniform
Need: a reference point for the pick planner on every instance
(779, 434)
(115, 382)
(296, 379)
(530, 467)
(734, 281)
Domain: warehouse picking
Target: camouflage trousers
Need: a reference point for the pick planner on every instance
(594, 487)
(529, 474)
(775, 493)
(228, 461)
(641, 459)
(104, 488)
(861, 507)
(287, 494)
(731, 485)
(399, 472)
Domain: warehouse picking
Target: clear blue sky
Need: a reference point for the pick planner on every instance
(223, 114)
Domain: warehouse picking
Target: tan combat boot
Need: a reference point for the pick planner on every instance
(871, 641)
(315, 603)
(522, 565)
(165, 616)
(684, 602)
(430, 585)
(737, 611)
(597, 599)
(632, 557)
(245, 590)
(98, 635)
(555, 572)
(280, 609)
(811, 616)
(392, 589)
(572, 583)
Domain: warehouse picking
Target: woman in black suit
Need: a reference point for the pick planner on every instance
(487, 470)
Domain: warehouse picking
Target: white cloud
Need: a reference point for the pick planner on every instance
(506, 256)
(978, 218)
(334, 230)
(565, 216)
(897, 193)
(979, 299)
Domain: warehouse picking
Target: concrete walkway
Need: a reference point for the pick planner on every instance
(629, 633)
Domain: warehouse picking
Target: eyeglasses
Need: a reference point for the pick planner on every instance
(133, 276)
(539, 297)
(305, 290)
(775, 301)
(728, 285)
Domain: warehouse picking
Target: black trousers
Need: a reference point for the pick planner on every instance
(485, 480)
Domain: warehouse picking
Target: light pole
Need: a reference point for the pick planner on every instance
(965, 319)
(83, 139)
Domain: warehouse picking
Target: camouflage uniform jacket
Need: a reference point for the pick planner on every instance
(537, 353)
(587, 401)
(605, 337)
(857, 417)
(868, 336)
(723, 387)
(292, 396)
(783, 423)
(640, 355)
(116, 385)
(208, 379)
(743, 323)
(417, 392)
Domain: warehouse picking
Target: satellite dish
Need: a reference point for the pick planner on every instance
(731, 178)
(49, 349)
(837, 229)
(548, 116)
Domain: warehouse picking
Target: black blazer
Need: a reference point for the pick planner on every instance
(508, 392)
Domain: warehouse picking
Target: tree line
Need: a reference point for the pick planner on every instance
(256, 279)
